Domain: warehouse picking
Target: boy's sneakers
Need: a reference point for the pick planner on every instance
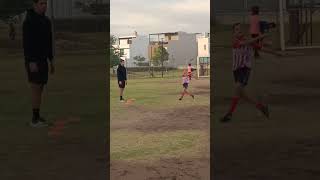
(122, 100)
(180, 99)
(39, 123)
(226, 118)
(265, 111)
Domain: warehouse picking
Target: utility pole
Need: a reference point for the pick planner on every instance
(162, 57)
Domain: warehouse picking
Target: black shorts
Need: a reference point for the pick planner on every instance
(40, 77)
(242, 75)
(185, 85)
(122, 85)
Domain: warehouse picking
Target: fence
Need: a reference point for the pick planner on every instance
(299, 21)
(149, 72)
(74, 31)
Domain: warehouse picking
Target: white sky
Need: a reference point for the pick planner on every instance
(154, 16)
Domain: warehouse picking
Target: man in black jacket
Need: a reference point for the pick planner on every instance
(37, 44)
(122, 78)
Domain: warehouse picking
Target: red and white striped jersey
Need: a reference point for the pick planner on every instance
(241, 54)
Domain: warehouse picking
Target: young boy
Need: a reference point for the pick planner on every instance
(255, 28)
(242, 55)
(189, 71)
(185, 84)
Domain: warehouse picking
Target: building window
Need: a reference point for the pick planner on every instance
(129, 41)
(205, 47)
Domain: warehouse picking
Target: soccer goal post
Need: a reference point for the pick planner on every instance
(203, 67)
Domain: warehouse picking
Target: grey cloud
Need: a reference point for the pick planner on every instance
(155, 17)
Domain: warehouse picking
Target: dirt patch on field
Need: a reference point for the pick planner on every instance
(164, 169)
(191, 163)
(191, 118)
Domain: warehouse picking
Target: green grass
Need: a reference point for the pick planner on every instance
(154, 93)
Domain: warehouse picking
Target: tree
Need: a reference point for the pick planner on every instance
(95, 7)
(12, 9)
(161, 55)
(114, 52)
(139, 61)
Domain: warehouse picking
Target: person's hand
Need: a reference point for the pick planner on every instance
(33, 67)
(52, 68)
(120, 83)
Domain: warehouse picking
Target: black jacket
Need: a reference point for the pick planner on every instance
(37, 37)
(122, 73)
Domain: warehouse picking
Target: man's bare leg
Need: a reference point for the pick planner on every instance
(36, 99)
(121, 94)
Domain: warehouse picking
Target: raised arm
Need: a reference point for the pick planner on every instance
(253, 40)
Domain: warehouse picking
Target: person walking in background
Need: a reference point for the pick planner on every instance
(189, 71)
(255, 28)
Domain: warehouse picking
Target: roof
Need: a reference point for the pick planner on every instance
(126, 37)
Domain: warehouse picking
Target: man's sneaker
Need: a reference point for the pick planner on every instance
(265, 111)
(38, 124)
(226, 118)
(122, 100)
(42, 120)
(180, 99)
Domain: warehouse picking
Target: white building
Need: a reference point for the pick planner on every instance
(181, 46)
(124, 45)
(132, 46)
(139, 47)
(203, 58)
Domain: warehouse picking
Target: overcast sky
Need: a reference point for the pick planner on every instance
(153, 16)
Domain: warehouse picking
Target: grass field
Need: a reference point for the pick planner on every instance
(284, 147)
(158, 136)
(77, 90)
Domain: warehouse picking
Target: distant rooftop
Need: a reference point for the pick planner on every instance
(127, 37)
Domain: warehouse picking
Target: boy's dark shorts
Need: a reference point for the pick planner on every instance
(122, 85)
(242, 75)
(40, 77)
(185, 85)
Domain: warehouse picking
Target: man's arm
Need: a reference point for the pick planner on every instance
(27, 35)
(118, 74)
(250, 41)
(125, 75)
(50, 46)
(50, 43)
(27, 40)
